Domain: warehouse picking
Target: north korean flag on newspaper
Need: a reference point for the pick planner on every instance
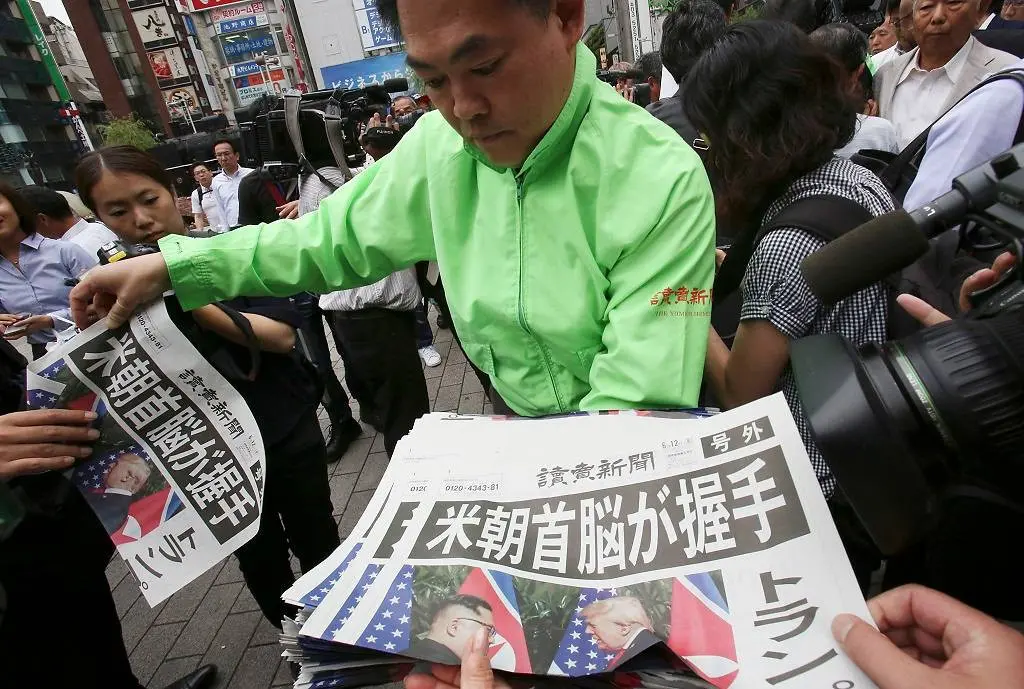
(508, 643)
(700, 630)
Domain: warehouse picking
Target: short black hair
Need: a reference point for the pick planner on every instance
(47, 202)
(229, 142)
(892, 8)
(689, 29)
(800, 13)
(844, 42)
(26, 216)
(774, 108)
(462, 600)
(198, 163)
(649, 66)
(388, 10)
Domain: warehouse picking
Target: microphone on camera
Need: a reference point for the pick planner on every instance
(880, 247)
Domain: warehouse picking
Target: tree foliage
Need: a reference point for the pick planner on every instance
(129, 131)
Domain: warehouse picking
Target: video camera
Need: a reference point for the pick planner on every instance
(938, 415)
(322, 126)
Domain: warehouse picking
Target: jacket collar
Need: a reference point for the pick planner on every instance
(562, 133)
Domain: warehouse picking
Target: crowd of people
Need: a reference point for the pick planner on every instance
(585, 255)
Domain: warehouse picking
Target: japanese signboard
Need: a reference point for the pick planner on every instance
(180, 98)
(221, 14)
(372, 70)
(176, 476)
(203, 5)
(373, 32)
(168, 65)
(154, 26)
(247, 45)
(706, 536)
(243, 23)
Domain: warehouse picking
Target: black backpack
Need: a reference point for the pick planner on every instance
(828, 217)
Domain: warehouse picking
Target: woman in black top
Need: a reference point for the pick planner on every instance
(132, 194)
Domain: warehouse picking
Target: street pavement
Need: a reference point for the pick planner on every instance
(215, 619)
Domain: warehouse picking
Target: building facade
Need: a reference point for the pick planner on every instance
(70, 58)
(37, 143)
(252, 48)
(145, 61)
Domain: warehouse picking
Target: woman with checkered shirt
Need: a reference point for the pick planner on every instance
(773, 109)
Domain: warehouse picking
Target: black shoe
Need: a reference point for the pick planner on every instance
(198, 679)
(442, 322)
(341, 437)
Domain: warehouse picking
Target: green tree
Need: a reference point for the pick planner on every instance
(130, 131)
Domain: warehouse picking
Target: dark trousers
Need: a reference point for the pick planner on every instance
(424, 335)
(296, 515)
(61, 628)
(335, 400)
(381, 345)
(38, 350)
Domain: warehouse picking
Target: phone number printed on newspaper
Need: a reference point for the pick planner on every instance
(197, 458)
(742, 506)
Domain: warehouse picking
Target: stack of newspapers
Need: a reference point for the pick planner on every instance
(635, 549)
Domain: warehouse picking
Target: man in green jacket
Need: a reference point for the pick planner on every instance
(574, 232)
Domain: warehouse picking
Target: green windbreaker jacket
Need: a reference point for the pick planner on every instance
(580, 281)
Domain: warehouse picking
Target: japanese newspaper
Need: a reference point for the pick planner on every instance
(176, 476)
(646, 549)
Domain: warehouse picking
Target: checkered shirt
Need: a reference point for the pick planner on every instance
(774, 289)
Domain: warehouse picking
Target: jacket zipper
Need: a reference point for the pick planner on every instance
(522, 313)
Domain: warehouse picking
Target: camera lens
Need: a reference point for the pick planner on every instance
(902, 422)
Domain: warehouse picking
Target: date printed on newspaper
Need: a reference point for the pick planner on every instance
(176, 476)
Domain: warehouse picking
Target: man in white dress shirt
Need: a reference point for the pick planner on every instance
(899, 16)
(225, 185)
(55, 220)
(205, 206)
(915, 89)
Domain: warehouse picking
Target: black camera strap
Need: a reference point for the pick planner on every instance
(251, 343)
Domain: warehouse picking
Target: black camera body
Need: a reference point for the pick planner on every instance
(264, 133)
(913, 425)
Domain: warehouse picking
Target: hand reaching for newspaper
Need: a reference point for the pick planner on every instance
(118, 289)
(931, 641)
(475, 672)
(39, 440)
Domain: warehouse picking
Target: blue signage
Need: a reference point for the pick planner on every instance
(239, 24)
(360, 73)
(244, 69)
(249, 45)
(189, 24)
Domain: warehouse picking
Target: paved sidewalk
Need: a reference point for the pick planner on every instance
(215, 619)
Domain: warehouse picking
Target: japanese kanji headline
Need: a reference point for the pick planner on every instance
(668, 551)
(176, 476)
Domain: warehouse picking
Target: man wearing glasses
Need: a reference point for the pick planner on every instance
(899, 15)
(455, 622)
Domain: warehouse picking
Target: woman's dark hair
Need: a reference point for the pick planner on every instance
(117, 159)
(844, 42)
(772, 107)
(22, 208)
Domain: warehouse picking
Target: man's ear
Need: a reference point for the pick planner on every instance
(452, 628)
(570, 14)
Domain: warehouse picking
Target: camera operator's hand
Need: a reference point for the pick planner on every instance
(927, 315)
(475, 672)
(116, 290)
(39, 440)
(928, 640)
